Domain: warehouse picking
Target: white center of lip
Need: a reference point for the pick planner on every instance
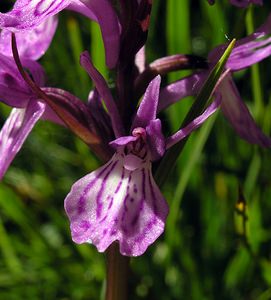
(131, 162)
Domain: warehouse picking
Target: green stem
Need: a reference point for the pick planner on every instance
(117, 267)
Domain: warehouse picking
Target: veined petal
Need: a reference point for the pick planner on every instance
(32, 44)
(239, 116)
(148, 107)
(15, 131)
(115, 203)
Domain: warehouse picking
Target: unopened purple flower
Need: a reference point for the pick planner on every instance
(28, 14)
(121, 201)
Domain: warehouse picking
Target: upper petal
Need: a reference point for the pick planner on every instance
(104, 92)
(15, 131)
(148, 107)
(117, 204)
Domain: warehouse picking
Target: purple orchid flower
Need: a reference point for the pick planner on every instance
(247, 52)
(241, 3)
(121, 201)
(28, 105)
(28, 109)
(28, 14)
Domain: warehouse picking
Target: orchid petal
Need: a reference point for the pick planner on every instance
(104, 92)
(13, 89)
(27, 14)
(110, 28)
(184, 132)
(148, 107)
(15, 131)
(249, 50)
(174, 92)
(117, 204)
(32, 44)
(122, 141)
(239, 116)
(155, 139)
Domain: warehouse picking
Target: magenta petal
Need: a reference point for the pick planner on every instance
(184, 132)
(174, 92)
(239, 116)
(249, 50)
(122, 141)
(13, 89)
(104, 92)
(32, 44)
(15, 131)
(110, 28)
(27, 14)
(117, 204)
(155, 139)
(148, 106)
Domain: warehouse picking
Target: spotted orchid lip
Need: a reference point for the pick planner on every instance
(117, 203)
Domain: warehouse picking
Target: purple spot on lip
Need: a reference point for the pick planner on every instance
(135, 188)
(132, 200)
(135, 219)
(113, 232)
(85, 225)
(104, 232)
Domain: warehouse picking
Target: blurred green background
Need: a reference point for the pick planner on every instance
(212, 248)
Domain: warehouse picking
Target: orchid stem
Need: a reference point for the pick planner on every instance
(117, 269)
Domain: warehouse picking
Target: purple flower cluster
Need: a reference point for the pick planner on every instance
(120, 201)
